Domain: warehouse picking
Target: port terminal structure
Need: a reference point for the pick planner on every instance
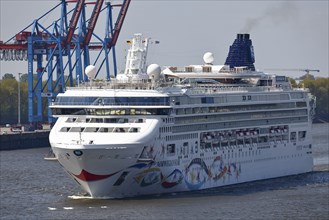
(63, 47)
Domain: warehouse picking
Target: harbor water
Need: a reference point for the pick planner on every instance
(33, 188)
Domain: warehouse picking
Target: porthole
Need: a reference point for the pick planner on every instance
(78, 153)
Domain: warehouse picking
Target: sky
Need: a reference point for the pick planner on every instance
(285, 34)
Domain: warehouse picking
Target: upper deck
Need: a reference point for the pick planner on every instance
(157, 94)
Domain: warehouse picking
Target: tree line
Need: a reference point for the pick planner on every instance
(9, 100)
(319, 87)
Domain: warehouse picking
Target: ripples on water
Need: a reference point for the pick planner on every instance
(32, 188)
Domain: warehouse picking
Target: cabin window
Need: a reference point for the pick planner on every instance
(301, 135)
(133, 130)
(91, 129)
(185, 148)
(71, 120)
(77, 129)
(189, 69)
(293, 136)
(224, 144)
(232, 143)
(171, 149)
(110, 120)
(263, 139)
(65, 129)
(300, 104)
(207, 69)
(99, 120)
(205, 100)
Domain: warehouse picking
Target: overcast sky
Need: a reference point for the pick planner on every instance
(285, 34)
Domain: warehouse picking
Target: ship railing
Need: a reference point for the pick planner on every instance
(134, 85)
(113, 84)
(108, 104)
(201, 69)
(301, 89)
(164, 85)
(211, 89)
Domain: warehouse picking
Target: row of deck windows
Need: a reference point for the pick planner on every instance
(101, 129)
(239, 116)
(106, 120)
(241, 123)
(185, 100)
(249, 137)
(181, 137)
(229, 139)
(220, 109)
(75, 100)
(173, 150)
(128, 111)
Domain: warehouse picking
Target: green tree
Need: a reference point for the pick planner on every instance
(8, 76)
(24, 77)
(320, 89)
(307, 76)
(8, 100)
(293, 82)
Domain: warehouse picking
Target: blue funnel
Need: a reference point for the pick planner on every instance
(241, 53)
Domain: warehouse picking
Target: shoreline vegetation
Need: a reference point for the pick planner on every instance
(318, 87)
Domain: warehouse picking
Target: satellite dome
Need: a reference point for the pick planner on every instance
(153, 71)
(208, 58)
(90, 71)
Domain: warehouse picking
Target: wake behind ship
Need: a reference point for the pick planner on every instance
(175, 129)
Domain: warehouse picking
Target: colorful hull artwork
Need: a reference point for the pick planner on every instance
(172, 179)
(148, 177)
(195, 175)
(219, 170)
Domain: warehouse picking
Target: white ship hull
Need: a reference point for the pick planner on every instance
(115, 171)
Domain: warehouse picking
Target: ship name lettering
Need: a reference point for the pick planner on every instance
(168, 163)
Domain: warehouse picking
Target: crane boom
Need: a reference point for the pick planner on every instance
(119, 23)
(308, 70)
(93, 20)
(301, 70)
(74, 20)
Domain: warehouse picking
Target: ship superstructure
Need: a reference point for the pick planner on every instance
(181, 129)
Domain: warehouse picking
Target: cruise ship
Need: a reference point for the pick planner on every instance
(155, 130)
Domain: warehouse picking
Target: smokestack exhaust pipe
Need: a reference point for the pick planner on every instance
(241, 53)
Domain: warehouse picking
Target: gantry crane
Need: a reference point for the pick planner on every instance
(52, 49)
